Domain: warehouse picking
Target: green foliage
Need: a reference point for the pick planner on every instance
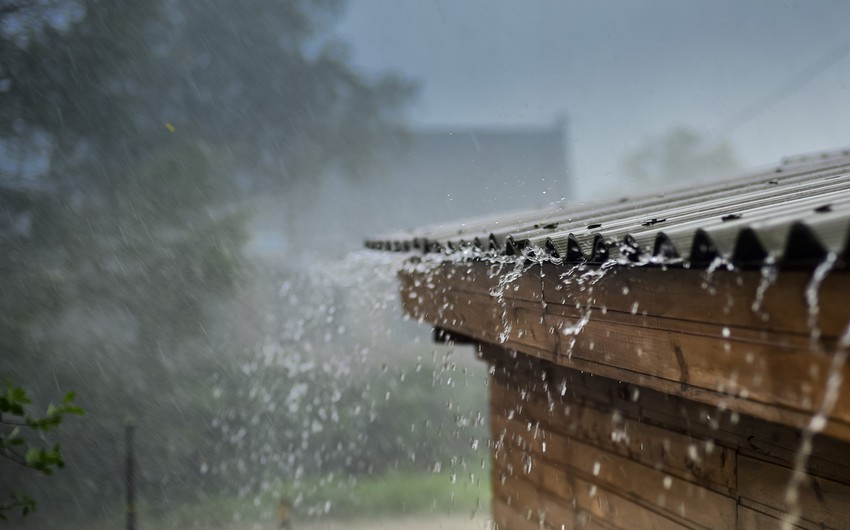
(15, 447)
(390, 493)
(142, 130)
(369, 497)
(17, 501)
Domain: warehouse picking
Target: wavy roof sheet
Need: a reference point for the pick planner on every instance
(793, 214)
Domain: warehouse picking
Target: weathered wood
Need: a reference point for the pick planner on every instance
(822, 502)
(607, 505)
(769, 376)
(528, 505)
(719, 351)
(587, 447)
(650, 398)
(677, 454)
(506, 517)
(750, 518)
(721, 298)
(667, 494)
(646, 474)
(648, 415)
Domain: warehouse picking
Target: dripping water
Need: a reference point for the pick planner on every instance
(833, 387)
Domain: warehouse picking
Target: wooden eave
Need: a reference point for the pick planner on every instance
(732, 339)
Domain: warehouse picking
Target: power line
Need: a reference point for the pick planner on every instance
(796, 82)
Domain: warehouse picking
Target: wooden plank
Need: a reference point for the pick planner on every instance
(611, 507)
(822, 501)
(664, 360)
(521, 494)
(528, 503)
(678, 454)
(624, 472)
(522, 474)
(637, 481)
(647, 408)
(749, 518)
(560, 516)
(530, 390)
(521, 433)
(719, 403)
(754, 515)
(725, 298)
(478, 277)
(507, 518)
(767, 374)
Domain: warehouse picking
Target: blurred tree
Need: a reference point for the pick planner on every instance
(269, 80)
(130, 133)
(680, 154)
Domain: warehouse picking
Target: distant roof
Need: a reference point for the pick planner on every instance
(793, 214)
(441, 173)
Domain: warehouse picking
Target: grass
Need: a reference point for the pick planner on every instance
(392, 494)
(369, 497)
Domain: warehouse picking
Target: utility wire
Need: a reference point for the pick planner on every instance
(798, 81)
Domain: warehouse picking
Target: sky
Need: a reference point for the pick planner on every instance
(771, 77)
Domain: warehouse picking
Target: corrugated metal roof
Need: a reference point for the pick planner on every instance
(794, 214)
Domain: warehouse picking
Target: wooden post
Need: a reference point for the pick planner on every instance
(129, 476)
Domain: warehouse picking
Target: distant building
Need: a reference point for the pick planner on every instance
(452, 172)
(425, 176)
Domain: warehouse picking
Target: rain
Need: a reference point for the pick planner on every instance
(320, 264)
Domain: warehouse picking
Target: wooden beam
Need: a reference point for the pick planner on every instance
(681, 332)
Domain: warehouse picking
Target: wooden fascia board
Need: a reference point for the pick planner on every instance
(682, 332)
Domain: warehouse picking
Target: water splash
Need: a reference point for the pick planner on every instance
(812, 301)
(835, 379)
(520, 266)
(769, 274)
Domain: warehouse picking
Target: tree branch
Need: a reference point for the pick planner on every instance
(12, 456)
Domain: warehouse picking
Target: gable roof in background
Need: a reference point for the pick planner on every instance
(440, 173)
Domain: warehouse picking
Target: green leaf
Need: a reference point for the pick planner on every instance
(73, 410)
(34, 455)
(69, 397)
(18, 395)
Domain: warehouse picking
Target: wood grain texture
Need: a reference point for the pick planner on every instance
(680, 332)
(574, 449)
(823, 502)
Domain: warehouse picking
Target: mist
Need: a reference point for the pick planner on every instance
(185, 189)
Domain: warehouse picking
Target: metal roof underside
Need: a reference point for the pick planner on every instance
(793, 214)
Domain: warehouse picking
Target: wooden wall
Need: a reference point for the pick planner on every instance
(574, 450)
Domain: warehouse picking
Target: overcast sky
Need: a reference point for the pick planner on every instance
(621, 70)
